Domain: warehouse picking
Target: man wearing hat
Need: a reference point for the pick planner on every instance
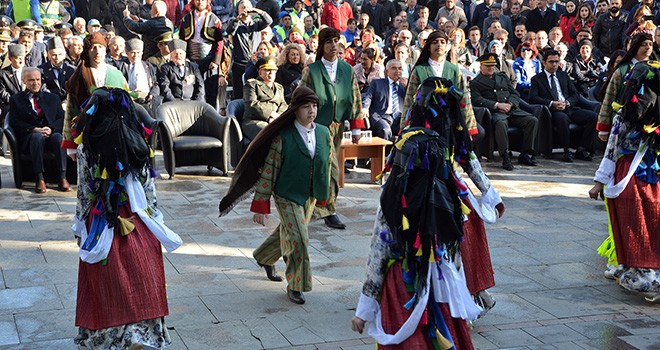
(281, 31)
(150, 29)
(206, 47)
(11, 80)
(336, 85)
(496, 14)
(93, 26)
(141, 75)
(163, 55)
(180, 79)
(554, 88)
(91, 73)
(55, 72)
(37, 118)
(503, 65)
(494, 90)
(5, 39)
(264, 98)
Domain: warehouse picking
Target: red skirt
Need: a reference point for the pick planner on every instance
(475, 254)
(635, 217)
(394, 315)
(129, 288)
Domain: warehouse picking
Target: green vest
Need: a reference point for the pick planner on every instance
(301, 176)
(21, 10)
(449, 72)
(50, 14)
(335, 99)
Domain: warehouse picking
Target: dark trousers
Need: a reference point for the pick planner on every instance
(383, 126)
(525, 121)
(561, 121)
(35, 144)
(237, 71)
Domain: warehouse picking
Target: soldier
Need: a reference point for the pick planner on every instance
(163, 55)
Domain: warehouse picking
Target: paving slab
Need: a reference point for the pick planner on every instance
(510, 338)
(8, 331)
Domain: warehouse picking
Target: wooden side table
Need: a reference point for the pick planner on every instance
(375, 150)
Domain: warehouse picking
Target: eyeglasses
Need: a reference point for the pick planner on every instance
(524, 49)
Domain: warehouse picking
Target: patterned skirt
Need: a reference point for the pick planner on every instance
(122, 300)
(635, 218)
(475, 254)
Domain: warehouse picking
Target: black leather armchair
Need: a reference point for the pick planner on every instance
(235, 110)
(193, 133)
(543, 136)
(22, 164)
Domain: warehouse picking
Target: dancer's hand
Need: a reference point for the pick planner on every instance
(603, 137)
(596, 190)
(500, 209)
(357, 324)
(260, 219)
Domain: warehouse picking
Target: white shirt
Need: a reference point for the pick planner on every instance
(389, 98)
(19, 76)
(309, 137)
(331, 67)
(438, 67)
(559, 93)
(200, 18)
(138, 81)
(99, 74)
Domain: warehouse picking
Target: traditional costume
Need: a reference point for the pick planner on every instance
(629, 170)
(337, 88)
(295, 170)
(415, 294)
(122, 299)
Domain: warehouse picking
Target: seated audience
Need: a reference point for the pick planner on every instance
(140, 75)
(567, 19)
(459, 54)
(553, 88)
(368, 69)
(56, 72)
(475, 45)
(586, 70)
(584, 19)
(494, 90)
(403, 55)
(264, 98)
(180, 79)
(289, 68)
(163, 55)
(37, 118)
(74, 48)
(526, 65)
(383, 102)
(11, 81)
(563, 64)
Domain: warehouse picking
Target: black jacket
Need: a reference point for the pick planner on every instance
(608, 32)
(9, 85)
(24, 118)
(89, 9)
(117, 11)
(541, 93)
(271, 7)
(174, 86)
(150, 30)
(53, 84)
(536, 22)
(289, 76)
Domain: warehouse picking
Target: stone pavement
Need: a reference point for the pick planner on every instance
(551, 293)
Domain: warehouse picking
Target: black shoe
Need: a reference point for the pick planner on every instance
(349, 165)
(584, 155)
(568, 156)
(334, 222)
(526, 159)
(271, 273)
(296, 297)
(506, 163)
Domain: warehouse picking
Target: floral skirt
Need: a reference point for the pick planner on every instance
(152, 333)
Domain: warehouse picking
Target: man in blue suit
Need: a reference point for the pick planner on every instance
(383, 102)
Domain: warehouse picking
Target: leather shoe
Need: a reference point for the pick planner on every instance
(296, 297)
(506, 163)
(568, 156)
(40, 187)
(584, 155)
(526, 159)
(64, 186)
(334, 222)
(271, 273)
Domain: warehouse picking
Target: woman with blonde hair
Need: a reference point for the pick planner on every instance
(290, 64)
(458, 54)
(642, 22)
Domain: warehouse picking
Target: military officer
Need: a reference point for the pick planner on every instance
(264, 98)
(163, 55)
(493, 90)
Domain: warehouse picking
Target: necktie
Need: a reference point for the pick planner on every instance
(553, 88)
(394, 96)
(132, 81)
(17, 76)
(37, 108)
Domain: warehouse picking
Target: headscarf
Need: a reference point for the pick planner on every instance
(326, 34)
(79, 83)
(248, 170)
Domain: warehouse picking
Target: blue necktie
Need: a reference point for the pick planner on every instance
(394, 95)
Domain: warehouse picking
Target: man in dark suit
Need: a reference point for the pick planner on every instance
(383, 102)
(11, 82)
(151, 28)
(89, 9)
(480, 13)
(34, 54)
(179, 79)
(55, 71)
(474, 44)
(494, 90)
(542, 18)
(37, 118)
(141, 76)
(553, 88)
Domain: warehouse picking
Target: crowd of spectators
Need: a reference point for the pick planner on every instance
(210, 50)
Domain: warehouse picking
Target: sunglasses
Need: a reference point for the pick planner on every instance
(526, 49)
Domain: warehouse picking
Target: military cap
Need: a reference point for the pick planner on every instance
(28, 24)
(488, 59)
(5, 21)
(267, 63)
(165, 37)
(5, 35)
(61, 25)
(39, 28)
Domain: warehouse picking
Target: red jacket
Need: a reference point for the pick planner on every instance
(565, 23)
(336, 17)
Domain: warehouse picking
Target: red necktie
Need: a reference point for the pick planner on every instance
(37, 108)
